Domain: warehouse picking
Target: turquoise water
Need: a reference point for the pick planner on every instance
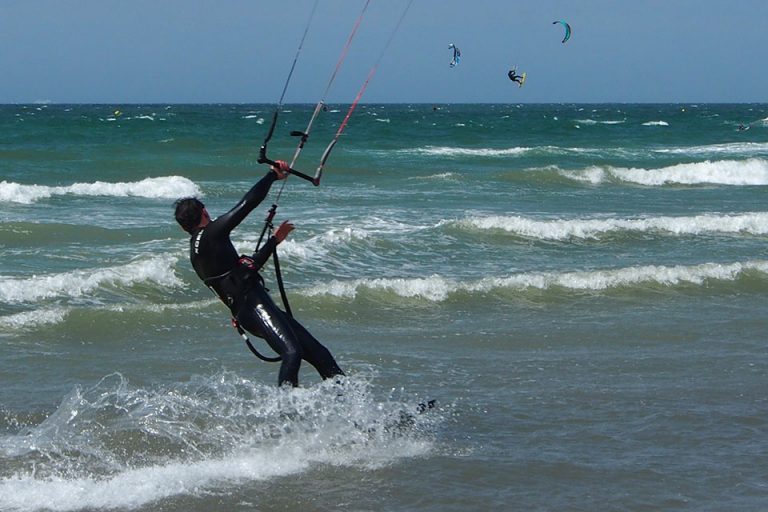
(581, 288)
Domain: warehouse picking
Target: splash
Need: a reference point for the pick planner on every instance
(113, 447)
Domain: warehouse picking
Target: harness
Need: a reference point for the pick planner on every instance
(237, 281)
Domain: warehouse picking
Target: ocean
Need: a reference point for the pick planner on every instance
(582, 290)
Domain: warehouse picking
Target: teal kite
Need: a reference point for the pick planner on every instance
(567, 29)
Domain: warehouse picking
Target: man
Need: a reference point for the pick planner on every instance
(235, 279)
(514, 76)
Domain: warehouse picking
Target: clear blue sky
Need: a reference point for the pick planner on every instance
(240, 51)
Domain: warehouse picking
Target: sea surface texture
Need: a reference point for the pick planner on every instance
(582, 289)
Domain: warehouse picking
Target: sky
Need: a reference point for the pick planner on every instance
(240, 51)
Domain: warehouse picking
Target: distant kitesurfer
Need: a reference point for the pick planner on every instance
(236, 280)
(514, 76)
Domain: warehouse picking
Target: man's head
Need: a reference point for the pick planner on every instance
(189, 213)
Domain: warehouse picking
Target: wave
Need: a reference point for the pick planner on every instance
(33, 320)
(458, 152)
(443, 176)
(166, 187)
(314, 247)
(257, 117)
(731, 148)
(656, 123)
(374, 230)
(563, 229)
(368, 234)
(36, 319)
(753, 171)
(740, 149)
(321, 244)
(595, 121)
(38, 235)
(77, 283)
(111, 446)
(438, 289)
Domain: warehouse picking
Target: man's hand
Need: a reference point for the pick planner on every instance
(281, 170)
(282, 230)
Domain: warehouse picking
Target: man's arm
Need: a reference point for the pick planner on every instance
(262, 255)
(253, 198)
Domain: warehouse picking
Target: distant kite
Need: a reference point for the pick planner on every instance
(567, 29)
(456, 55)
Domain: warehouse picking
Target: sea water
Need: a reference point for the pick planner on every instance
(581, 288)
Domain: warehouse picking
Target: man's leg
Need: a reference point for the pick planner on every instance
(262, 317)
(315, 353)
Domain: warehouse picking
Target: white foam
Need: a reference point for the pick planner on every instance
(212, 434)
(443, 176)
(723, 172)
(34, 319)
(437, 288)
(590, 122)
(321, 244)
(615, 278)
(313, 247)
(592, 175)
(259, 119)
(562, 229)
(455, 151)
(166, 187)
(135, 488)
(656, 123)
(434, 288)
(727, 149)
(145, 117)
(157, 269)
(162, 308)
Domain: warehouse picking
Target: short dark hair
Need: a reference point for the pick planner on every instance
(189, 211)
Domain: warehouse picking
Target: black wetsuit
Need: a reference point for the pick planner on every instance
(241, 288)
(513, 76)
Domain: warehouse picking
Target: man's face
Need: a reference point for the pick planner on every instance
(205, 218)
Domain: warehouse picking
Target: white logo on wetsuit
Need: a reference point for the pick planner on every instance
(197, 241)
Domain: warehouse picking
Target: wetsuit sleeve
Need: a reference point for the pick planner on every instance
(261, 256)
(250, 200)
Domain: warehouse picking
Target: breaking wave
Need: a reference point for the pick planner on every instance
(77, 283)
(563, 229)
(167, 187)
(753, 171)
(438, 289)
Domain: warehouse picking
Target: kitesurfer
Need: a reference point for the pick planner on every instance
(514, 76)
(236, 280)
